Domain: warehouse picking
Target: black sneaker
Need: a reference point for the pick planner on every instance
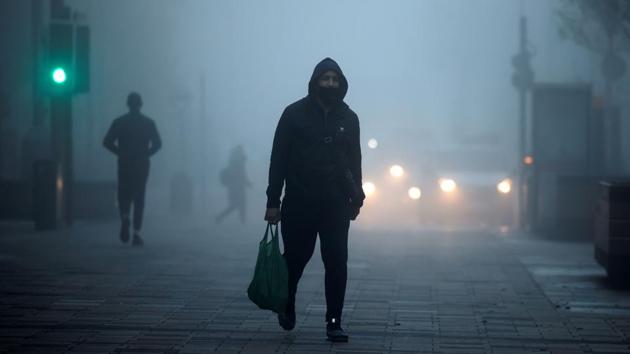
(287, 320)
(124, 231)
(334, 332)
(137, 240)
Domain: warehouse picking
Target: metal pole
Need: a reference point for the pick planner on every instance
(36, 41)
(522, 91)
(61, 139)
(61, 133)
(522, 80)
(521, 166)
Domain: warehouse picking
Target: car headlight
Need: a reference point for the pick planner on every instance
(369, 189)
(447, 185)
(505, 186)
(396, 171)
(414, 193)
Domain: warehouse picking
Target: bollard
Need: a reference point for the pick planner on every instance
(612, 229)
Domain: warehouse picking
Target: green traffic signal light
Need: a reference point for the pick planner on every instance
(59, 75)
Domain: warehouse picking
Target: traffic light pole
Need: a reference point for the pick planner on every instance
(522, 80)
(68, 74)
(61, 141)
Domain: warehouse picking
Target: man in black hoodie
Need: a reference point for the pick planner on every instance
(317, 156)
(133, 138)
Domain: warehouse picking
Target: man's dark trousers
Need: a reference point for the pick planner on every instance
(132, 180)
(302, 221)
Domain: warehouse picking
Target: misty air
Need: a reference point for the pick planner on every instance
(290, 176)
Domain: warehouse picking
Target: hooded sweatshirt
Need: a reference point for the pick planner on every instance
(307, 143)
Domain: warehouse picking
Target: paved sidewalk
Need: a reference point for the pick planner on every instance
(430, 291)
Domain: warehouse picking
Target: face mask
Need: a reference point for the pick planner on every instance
(329, 95)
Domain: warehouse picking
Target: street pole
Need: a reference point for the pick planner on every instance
(61, 117)
(205, 175)
(522, 80)
(61, 140)
(36, 40)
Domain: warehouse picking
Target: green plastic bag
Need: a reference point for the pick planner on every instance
(270, 287)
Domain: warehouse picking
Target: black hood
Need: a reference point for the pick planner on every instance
(322, 67)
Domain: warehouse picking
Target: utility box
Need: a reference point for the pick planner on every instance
(612, 229)
(567, 154)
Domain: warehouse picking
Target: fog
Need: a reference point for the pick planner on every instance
(428, 79)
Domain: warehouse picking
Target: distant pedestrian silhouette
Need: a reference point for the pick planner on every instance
(235, 180)
(134, 138)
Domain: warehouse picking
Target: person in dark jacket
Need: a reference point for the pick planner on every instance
(316, 156)
(134, 138)
(234, 178)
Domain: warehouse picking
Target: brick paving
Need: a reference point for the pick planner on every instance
(431, 291)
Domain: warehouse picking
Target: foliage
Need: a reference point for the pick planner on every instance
(596, 24)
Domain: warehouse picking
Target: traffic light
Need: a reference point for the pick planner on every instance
(59, 75)
(60, 62)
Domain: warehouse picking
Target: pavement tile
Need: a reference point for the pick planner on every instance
(425, 292)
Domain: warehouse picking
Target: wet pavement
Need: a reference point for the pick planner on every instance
(428, 291)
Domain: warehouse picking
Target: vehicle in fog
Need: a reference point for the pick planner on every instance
(459, 187)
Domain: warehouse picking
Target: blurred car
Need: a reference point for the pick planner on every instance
(468, 198)
(447, 191)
